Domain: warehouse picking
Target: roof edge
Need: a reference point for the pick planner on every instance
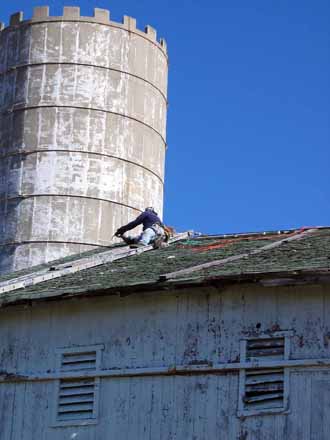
(264, 279)
(59, 270)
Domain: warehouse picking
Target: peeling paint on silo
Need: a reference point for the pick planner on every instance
(82, 132)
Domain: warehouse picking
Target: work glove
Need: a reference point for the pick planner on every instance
(119, 232)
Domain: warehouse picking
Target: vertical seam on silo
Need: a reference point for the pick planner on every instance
(16, 52)
(43, 81)
(50, 210)
(5, 64)
(6, 194)
(85, 208)
(125, 58)
(61, 41)
(108, 47)
(77, 42)
(99, 237)
(39, 117)
(60, 55)
(3, 78)
(104, 126)
(44, 54)
(14, 88)
(82, 223)
(70, 202)
(105, 88)
(67, 202)
(85, 171)
(55, 126)
(33, 209)
(76, 67)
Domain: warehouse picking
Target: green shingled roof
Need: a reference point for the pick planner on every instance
(312, 252)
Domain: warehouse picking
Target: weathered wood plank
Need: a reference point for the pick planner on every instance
(167, 419)
(223, 261)
(320, 421)
(160, 386)
(7, 399)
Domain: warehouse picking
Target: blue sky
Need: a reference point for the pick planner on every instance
(249, 97)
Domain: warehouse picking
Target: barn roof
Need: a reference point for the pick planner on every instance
(273, 258)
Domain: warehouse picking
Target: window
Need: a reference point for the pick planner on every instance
(78, 390)
(263, 388)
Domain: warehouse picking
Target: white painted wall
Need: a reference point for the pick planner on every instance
(167, 330)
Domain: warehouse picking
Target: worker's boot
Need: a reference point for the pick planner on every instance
(128, 240)
(159, 243)
(137, 245)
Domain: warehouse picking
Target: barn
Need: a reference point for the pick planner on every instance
(213, 337)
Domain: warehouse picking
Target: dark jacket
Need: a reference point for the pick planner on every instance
(147, 219)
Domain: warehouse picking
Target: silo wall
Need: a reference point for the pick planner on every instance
(82, 132)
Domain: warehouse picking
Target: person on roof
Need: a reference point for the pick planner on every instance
(153, 229)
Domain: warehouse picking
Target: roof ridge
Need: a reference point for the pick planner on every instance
(261, 233)
(78, 265)
(175, 274)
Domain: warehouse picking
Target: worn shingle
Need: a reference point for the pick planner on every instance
(313, 251)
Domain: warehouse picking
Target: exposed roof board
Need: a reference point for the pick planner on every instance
(309, 252)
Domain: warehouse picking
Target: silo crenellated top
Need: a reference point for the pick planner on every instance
(101, 16)
(95, 41)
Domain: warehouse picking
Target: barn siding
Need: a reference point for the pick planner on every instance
(165, 330)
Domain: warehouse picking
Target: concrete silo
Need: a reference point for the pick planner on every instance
(82, 132)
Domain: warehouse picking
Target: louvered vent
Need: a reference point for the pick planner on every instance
(262, 349)
(78, 361)
(78, 388)
(264, 389)
(76, 399)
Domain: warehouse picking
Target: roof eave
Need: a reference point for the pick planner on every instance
(315, 276)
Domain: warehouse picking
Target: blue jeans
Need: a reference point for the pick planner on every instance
(147, 237)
